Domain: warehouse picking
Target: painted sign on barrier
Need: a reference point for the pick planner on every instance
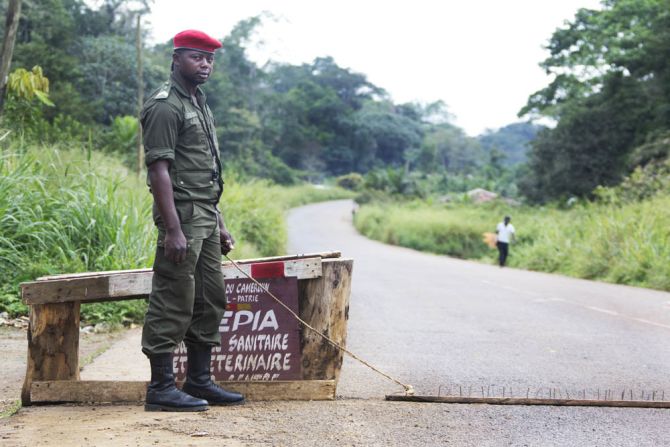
(260, 339)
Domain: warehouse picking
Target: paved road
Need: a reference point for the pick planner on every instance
(435, 321)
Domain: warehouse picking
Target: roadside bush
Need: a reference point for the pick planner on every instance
(352, 182)
(369, 196)
(644, 182)
(121, 139)
(27, 94)
(396, 182)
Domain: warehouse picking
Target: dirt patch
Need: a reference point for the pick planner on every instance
(351, 422)
(14, 355)
(111, 425)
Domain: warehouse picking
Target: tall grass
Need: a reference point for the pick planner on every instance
(68, 211)
(255, 219)
(625, 243)
(424, 228)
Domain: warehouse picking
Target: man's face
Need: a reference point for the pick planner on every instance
(194, 66)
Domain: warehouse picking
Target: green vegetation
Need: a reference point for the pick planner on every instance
(627, 244)
(298, 195)
(68, 211)
(419, 225)
(610, 97)
(622, 237)
(510, 142)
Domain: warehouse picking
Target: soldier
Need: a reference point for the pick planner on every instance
(187, 297)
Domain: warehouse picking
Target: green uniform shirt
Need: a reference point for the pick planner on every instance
(177, 130)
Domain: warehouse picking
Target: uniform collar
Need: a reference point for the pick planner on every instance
(182, 91)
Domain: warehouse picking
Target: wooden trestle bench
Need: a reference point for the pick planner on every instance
(52, 373)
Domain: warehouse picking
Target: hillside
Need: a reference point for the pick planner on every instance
(512, 141)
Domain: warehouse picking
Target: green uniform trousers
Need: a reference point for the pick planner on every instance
(187, 300)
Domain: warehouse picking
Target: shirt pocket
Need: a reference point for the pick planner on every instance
(192, 133)
(195, 179)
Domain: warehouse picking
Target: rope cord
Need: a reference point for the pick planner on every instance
(409, 389)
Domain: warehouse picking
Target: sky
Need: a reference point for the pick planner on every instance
(478, 56)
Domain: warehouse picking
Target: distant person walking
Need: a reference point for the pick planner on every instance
(505, 232)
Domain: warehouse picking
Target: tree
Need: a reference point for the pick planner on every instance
(446, 147)
(27, 93)
(630, 37)
(88, 54)
(590, 144)
(511, 140)
(316, 119)
(610, 94)
(11, 26)
(108, 75)
(393, 134)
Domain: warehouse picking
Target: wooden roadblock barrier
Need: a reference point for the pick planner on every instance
(262, 358)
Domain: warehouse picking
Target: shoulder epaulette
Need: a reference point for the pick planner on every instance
(163, 92)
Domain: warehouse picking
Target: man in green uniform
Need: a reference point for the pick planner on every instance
(187, 297)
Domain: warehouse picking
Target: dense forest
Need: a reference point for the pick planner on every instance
(609, 98)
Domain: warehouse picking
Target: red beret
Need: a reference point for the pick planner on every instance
(195, 40)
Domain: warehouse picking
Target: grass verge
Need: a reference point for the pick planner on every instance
(625, 243)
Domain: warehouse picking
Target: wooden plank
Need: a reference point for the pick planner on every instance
(113, 287)
(306, 268)
(132, 284)
(303, 268)
(53, 345)
(324, 304)
(322, 255)
(90, 274)
(532, 401)
(120, 391)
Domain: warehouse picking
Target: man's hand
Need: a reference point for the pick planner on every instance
(227, 239)
(176, 246)
(227, 242)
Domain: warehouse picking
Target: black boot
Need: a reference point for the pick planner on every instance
(162, 394)
(199, 382)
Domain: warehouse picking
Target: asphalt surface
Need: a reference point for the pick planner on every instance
(459, 327)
